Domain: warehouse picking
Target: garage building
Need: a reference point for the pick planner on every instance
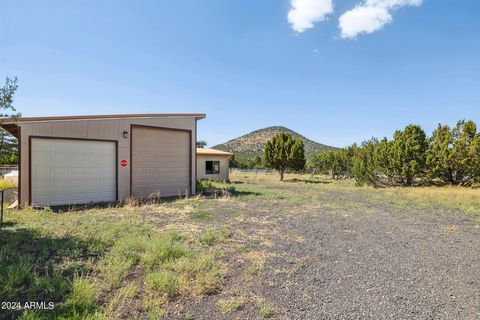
(104, 158)
(212, 164)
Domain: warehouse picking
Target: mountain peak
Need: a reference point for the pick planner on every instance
(251, 145)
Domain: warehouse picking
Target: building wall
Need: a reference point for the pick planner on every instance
(223, 175)
(107, 129)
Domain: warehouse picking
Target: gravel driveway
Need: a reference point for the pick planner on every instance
(378, 266)
(368, 265)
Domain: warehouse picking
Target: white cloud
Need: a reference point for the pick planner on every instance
(370, 16)
(305, 13)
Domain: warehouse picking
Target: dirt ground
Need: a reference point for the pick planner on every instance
(255, 248)
(336, 254)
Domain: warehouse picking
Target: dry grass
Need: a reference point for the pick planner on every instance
(437, 199)
(460, 198)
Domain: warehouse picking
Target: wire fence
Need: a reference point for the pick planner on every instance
(265, 171)
(256, 171)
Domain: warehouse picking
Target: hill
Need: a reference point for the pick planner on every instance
(249, 146)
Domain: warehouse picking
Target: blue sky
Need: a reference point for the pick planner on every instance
(246, 65)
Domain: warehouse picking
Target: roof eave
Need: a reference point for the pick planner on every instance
(11, 128)
(197, 116)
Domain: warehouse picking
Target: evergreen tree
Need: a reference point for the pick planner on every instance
(201, 144)
(284, 152)
(451, 155)
(439, 154)
(474, 155)
(407, 154)
(363, 163)
(233, 162)
(334, 163)
(8, 143)
(464, 135)
(382, 160)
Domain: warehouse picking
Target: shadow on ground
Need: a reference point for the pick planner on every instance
(227, 192)
(294, 180)
(40, 268)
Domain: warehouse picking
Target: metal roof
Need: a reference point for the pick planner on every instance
(213, 152)
(11, 125)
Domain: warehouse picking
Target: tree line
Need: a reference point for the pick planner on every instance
(451, 155)
(8, 143)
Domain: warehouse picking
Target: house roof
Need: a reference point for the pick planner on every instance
(213, 152)
(11, 124)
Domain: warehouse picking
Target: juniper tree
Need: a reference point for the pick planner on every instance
(439, 160)
(363, 164)
(464, 135)
(334, 163)
(407, 154)
(201, 144)
(474, 155)
(284, 152)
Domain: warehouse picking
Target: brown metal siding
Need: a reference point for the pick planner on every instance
(161, 162)
(110, 129)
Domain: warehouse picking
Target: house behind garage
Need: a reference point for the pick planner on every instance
(212, 164)
(105, 158)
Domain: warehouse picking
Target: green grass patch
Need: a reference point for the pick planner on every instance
(225, 233)
(163, 282)
(207, 238)
(164, 248)
(6, 184)
(254, 268)
(203, 216)
(82, 300)
(90, 263)
(154, 306)
(266, 310)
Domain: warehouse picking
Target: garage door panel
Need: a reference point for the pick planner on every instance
(67, 171)
(160, 162)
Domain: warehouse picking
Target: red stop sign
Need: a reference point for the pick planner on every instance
(124, 163)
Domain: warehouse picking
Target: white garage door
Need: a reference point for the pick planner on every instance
(160, 162)
(72, 171)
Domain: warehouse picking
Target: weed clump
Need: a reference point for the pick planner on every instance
(163, 282)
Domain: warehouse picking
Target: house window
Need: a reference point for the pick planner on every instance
(212, 167)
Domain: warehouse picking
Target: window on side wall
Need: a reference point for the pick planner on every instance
(212, 167)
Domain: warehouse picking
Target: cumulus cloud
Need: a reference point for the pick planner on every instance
(370, 16)
(305, 13)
